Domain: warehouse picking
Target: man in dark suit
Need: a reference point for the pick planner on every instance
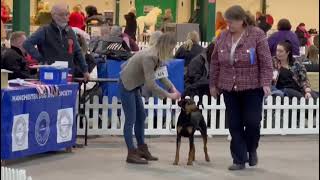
(13, 59)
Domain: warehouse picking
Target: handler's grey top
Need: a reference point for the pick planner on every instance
(140, 69)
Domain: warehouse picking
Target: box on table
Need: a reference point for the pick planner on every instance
(53, 75)
(4, 78)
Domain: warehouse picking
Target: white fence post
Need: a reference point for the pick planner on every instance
(294, 113)
(114, 118)
(222, 124)
(277, 115)
(269, 113)
(169, 114)
(309, 122)
(150, 116)
(213, 113)
(159, 108)
(204, 109)
(302, 113)
(285, 116)
(13, 174)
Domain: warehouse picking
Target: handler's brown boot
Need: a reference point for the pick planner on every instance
(144, 152)
(135, 158)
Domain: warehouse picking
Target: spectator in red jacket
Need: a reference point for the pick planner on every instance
(81, 11)
(303, 35)
(76, 19)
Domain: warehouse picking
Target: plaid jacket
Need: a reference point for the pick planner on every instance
(250, 70)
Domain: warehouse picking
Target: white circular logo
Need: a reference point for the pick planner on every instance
(64, 124)
(20, 131)
(42, 128)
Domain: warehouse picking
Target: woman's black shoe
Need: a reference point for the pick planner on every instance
(235, 167)
(253, 159)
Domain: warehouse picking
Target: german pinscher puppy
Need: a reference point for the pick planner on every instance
(190, 119)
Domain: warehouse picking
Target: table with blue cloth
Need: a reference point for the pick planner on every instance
(111, 69)
(33, 122)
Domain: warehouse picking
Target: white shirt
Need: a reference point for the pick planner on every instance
(233, 49)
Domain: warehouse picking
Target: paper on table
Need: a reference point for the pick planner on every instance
(62, 64)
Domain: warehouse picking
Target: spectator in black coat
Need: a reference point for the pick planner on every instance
(197, 76)
(262, 23)
(131, 24)
(94, 16)
(13, 59)
(190, 49)
(303, 35)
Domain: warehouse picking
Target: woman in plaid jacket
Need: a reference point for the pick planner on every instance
(241, 69)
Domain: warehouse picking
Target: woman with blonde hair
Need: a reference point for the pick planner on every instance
(190, 49)
(145, 92)
(154, 38)
(144, 68)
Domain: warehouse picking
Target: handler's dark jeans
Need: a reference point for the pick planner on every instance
(244, 112)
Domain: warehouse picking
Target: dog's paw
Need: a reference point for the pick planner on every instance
(189, 163)
(208, 159)
(175, 163)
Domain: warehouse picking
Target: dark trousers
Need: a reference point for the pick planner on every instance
(244, 112)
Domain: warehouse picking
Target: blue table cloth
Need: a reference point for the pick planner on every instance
(112, 68)
(33, 123)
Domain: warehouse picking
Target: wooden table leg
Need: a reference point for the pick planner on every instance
(3, 162)
(69, 149)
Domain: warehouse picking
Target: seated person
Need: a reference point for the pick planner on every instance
(13, 59)
(197, 76)
(190, 49)
(113, 42)
(132, 44)
(316, 40)
(88, 58)
(93, 16)
(290, 76)
(313, 54)
(94, 40)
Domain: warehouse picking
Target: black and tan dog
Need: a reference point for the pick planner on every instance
(190, 119)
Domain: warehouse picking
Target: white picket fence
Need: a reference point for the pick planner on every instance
(279, 117)
(143, 45)
(13, 174)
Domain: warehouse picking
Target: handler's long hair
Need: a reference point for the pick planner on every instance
(165, 45)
